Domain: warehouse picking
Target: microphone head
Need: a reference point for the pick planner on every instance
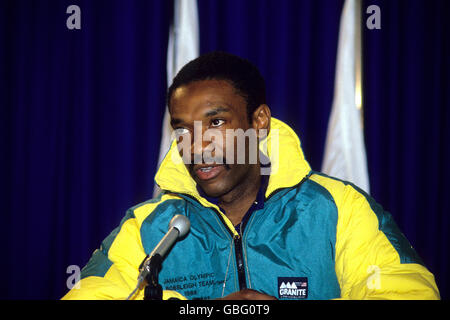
(181, 223)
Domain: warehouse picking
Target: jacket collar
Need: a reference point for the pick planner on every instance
(282, 146)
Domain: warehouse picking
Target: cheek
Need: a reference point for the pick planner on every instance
(230, 179)
(242, 150)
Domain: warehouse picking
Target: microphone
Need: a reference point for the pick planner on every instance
(178, 227)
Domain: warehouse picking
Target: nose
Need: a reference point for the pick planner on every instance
(207, 146)
(197, 143)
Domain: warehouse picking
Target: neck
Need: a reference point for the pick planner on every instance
(237, 202)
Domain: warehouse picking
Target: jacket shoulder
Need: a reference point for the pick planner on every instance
(162, 203)
(356, 207)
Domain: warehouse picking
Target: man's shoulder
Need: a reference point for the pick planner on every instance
(336, 186)
(351, 200)
(327, 181)
(339, 190)
(164, 202)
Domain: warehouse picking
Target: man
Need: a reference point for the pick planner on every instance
(285, 233)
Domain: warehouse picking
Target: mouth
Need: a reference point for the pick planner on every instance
(208, 172)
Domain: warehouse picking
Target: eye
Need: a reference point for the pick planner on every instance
(180, 131)
(217, 122)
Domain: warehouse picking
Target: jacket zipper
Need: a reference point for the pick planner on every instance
(237, 240)
(240, 262)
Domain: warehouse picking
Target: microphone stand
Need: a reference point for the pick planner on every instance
(153, 290)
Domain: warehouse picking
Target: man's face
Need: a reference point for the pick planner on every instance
(211, 106)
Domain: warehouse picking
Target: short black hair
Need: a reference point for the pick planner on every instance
(217, 65)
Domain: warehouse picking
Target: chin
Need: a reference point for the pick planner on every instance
(214, 190)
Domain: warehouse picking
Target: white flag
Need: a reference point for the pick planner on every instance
(345, 154)
(183, 47)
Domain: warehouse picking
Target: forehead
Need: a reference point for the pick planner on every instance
(198, 97)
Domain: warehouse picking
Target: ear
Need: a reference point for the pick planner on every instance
(261, 120)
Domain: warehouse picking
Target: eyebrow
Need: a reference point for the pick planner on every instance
(174, 122)
(216, 111)
(208, 114)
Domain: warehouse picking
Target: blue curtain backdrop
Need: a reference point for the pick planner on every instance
(81, 111)
(407, 123)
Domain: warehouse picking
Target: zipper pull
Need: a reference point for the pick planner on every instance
(240, 262)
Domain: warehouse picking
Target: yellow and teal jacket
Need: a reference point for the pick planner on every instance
(315, 237)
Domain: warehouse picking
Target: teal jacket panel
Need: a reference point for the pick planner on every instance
(290, 240)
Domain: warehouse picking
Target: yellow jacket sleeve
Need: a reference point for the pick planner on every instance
(373, 259)
(112, 271)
